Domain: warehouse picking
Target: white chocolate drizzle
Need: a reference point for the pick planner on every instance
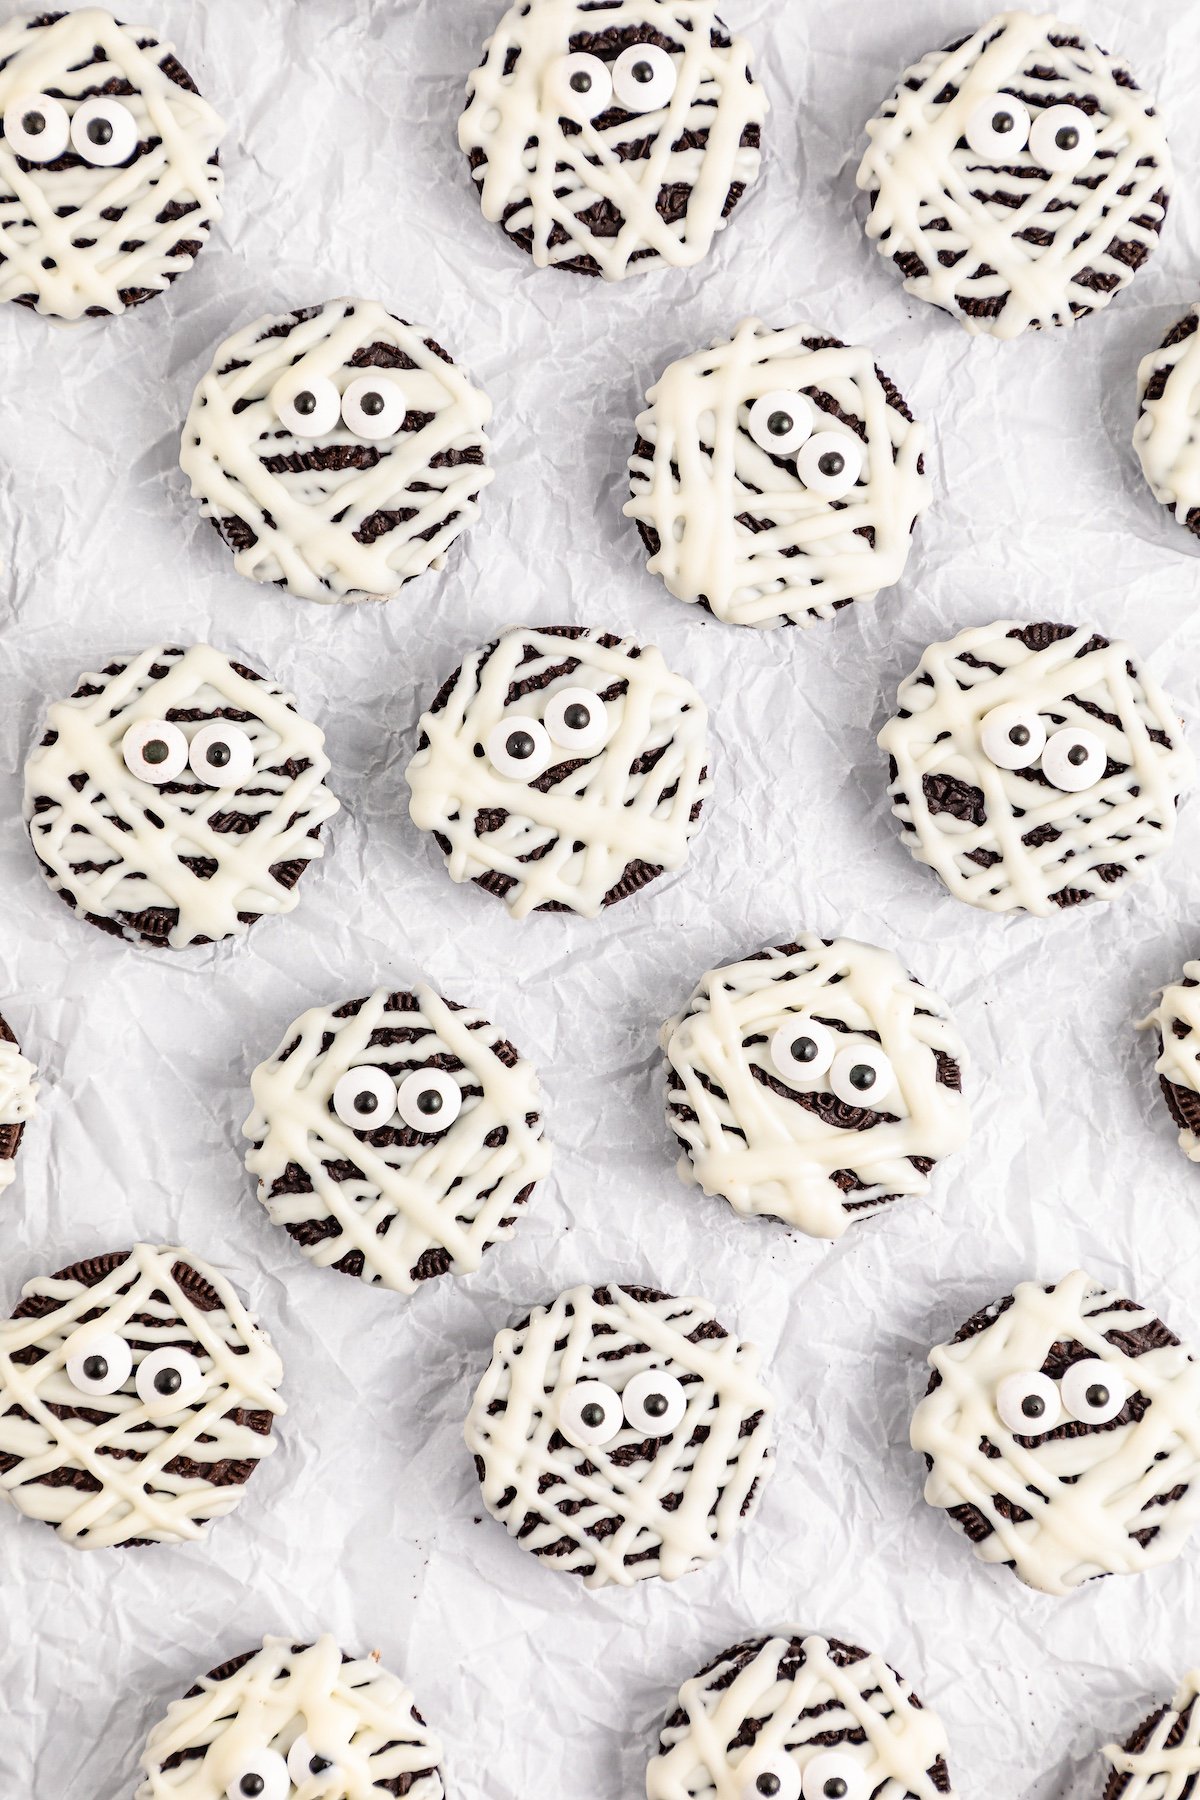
(18, 1099)
(1162, 1770)
(1167, 434)
(1177, 1020)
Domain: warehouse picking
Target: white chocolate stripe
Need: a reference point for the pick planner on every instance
(1156, 1772)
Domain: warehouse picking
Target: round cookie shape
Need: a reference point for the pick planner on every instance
(338, 450)
(137, 1398)
(1061, 1432)
(777, 477)
(799, 1717)
(561, 769)
(1177, 1020)
(176, 797)
(109, 180)
(18, 1102)
(301, 1719)
(620, 1433)
(1166, 436)
(1161, 1759)
(613, 140)
(396, 1138)
(1034, 766)
(1019, 178)
(814, 1082)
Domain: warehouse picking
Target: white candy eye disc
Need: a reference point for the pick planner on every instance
(1062, 138)
(155, 751)
(104, 132)
(373, 407)
(221, 755)
(801, 1048)
(862, 1075)
(307, 407)
(1092, 1392)
(998, 130)
(590, 1415)
(365, 1098)
(1073, 760)
(37, 127)
(1012, 736)
(1028, 1404)
(833, 1775)
(577, 720)
(643, 78)
(654, 1403)
(780, 422)
(169, 1379)
(304, 1762)
(100, 1365)
(772, 1777)
(830, 463)
(260, 1776)
(519, 747)
(429, 1100)
(579, 86)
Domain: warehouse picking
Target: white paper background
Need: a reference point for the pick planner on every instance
(344, 176)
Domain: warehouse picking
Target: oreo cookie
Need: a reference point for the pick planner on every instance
(1176, 1018)
(137, 1398)
(1161, 1759)
(1166, 435)
(18, 1102)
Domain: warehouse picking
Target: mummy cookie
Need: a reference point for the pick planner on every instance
(1176, 1018)
(137, 1398)
(815, 1082)
(620, 1433)
(176, 797)
(1167, 434)
(1019, 178)
(1161, 1760)
(300, 1719)
(799, 1718)
(776, 477)
(1061, 1432)
(561, 769)
(18, 1102)
(1034, 766)
(338, 450)
(611, 140)
(396, 1138)
(109, 181)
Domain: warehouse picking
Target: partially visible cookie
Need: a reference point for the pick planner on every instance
(1161, 1759)
(1167, 434)
(1177, 1021)
(18, 1102)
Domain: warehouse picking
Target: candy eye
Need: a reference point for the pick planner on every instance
(643, 78)
(104, 132)
(998, 129)
(801, 1048)
(830, 463)
(169, 1379)
(373, 407)
(365, 1098)
(835, 1776)
(304, 1762)
(519, 747)
(654, 1403)
(861, 1075)
(1062, 138)
(429, 1100)
(780, 422)
(772, 1777)
(155, 751)
(580, 86)
(37, 127)
(577, 720)
(221, 755)
(1013, 736)
(1028, 1404)
(1092, 1392)
(1073, 760)
(309, 407)
(590, 1415)
(100, 1365)
(261, 1776)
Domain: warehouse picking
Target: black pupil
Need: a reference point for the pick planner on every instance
(1076, 755)
(1019, 734)
(34, 123)
(251, 1785)
(168, 1381)
(95, 1368)
(835, 1788)
(372, 405)
(804, 1050)
(366, 1102)
(780, 423)
(155, 751)
(99, 131)
(520, 746)
(318, 1764)
(1067, 138)
(592, 1415)
(656, 1405)
(581, 82)
(217, 755)
(429, 1101)
(1097, 1395)
(643, 72)
(577, 717)
(768, 1784)
(832, 463)
(862, 1076)
(305, 403)
(1002, 123)
(1033, 1406)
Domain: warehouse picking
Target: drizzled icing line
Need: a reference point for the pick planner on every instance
(1177, 1021)
(18, 1103)
(1166, 1764)
(1166, 436)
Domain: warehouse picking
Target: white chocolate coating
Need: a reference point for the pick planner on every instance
(418, 1198)
(353, 1712)
(701, 477)
(1158, 1772)
(749, 1134)
(621, 812)
(125, 1451)
(18, 1099)
(1006, 839)
(541, 175)
(138, 834)
(335, 517)
(112, 236)
(800, 1697)
(668, 1507)
(1012, 245)
(1177, 1021)
(1167, 434)
(1086, 1489)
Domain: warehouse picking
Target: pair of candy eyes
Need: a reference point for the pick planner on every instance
(830, 1775)
(39, 128)
(372, 407)
(522, 747)
(266, 1775)
(593, 1413)
(165, 1380)
(829, 463)
(428, 1100)
(220, 755)
(1013, 736)
(1060, 138)
(643, 79)
(859, 1074)
(1091, 1392)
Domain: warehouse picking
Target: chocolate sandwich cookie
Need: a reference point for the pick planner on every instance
(1161, 1759)
(777, 477)
(176, 797)
(799, 1718)
(561, 769)
(814, 1082)
(109, 181)
(338, 450)
(1019, 178)
(611, 138)
(396, 1138)
(300, 1719)
(1061, 1432)
(1167, 434)
(18, 1102)
(1034, 766)
(137, 1398)
(1176, 1018)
